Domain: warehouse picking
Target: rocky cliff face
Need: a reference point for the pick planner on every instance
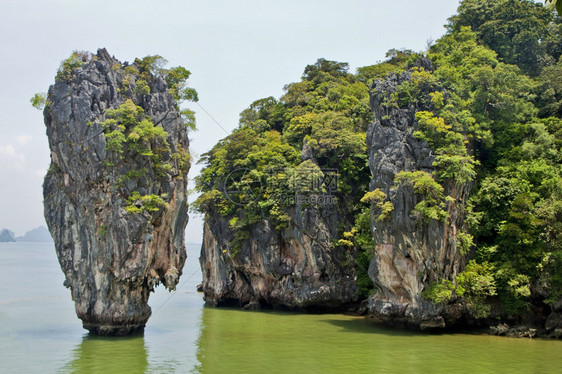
(553, 323)
(296, 268)
(410, 253)
(115, 194)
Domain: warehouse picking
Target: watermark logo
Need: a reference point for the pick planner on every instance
(242, 186)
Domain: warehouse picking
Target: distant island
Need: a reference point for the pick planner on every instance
(7, 236)
(39, 234)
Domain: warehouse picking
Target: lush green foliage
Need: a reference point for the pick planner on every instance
(433, 200)
(557, 4)
(127, 128)
(397, 60)
(453, 161)
(39, 100)
(492, 109)
(475, 285)
(67, 67)
(258, 173)
(517, 214)
(361, 238)
(130, 135)
(378, 200)
(549, 90)
(509, 145)
(137, 203)
(439, 292)
(139, 76)
(517, 30)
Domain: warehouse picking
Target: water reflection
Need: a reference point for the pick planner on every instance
(43, 335)
(40, 333)
(234, 341)
(109, 355)
(237, 341)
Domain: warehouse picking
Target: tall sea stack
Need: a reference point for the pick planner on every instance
(115, 194)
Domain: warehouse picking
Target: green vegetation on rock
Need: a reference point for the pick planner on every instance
(492, 118)
(315, 132)
(510, 150)
(39, 100)
(131, 135)
(68, 66)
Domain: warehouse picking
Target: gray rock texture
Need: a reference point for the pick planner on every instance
(112, 258)
(297, 268)
(554, 321)
(410, 253)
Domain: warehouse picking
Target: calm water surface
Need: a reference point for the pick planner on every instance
(39, 333)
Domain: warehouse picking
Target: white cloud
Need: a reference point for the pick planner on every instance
(10, 155)
(8, 150)
(23, 139)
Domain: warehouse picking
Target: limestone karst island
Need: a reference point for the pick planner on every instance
(423, 192)
(115, 194)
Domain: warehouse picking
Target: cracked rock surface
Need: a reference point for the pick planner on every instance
(410, 253)
(112, 258)
(296, 268)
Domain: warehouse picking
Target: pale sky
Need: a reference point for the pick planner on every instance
(237, 51)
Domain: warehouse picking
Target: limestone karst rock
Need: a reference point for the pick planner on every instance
(410, 252)
(115, 194)
(296, 267)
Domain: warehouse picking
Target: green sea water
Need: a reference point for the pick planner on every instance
(39, 333)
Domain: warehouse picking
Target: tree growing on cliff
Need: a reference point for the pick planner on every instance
(516, 154)
(115, 195)
(39, 100)
(517, 30)
(557, 4)
(324, 116)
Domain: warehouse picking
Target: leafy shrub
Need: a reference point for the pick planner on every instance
(68, 66)
(433, 203)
